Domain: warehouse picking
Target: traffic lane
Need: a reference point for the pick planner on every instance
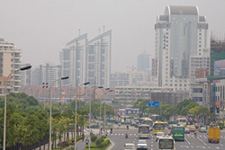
(118, 138)
(183, 144)
(204, 138)
(196, 142)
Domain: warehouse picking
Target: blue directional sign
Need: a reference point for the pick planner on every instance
(153, 104)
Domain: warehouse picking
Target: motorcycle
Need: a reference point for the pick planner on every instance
(126, 136)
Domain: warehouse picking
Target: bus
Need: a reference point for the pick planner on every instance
(149, 122)
(159, 126)
(182, 121)
(156, 117)
(178, 132)
(143, 131)
(166, 142)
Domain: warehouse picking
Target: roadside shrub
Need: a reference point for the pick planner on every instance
(93, 138)
(79, 138)
(221, 126)
(99, 141)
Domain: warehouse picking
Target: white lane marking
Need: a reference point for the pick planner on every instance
(221, 144)
(200, 147)
(202, 141)
(115, 134)
(151, 145)
(217, 147)
(184, 146)
(111, 146)
(187, 141)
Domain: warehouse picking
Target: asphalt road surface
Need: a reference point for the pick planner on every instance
(191, 142)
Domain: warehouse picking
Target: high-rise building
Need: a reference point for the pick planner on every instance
(87, 61)
(25, 76)
(130, 78)
(180, 34)
(9, 61)
(47, 73)
(143, 63)
(99, 60)
(74, 61)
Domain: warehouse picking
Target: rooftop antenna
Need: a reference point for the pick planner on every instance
(103, 29)
(79, 32)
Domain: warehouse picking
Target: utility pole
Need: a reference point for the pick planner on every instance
(104, 117)
(44, 85)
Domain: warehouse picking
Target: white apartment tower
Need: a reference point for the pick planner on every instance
(73, 61)
(179, 34)
(9, 62)
(99, 60)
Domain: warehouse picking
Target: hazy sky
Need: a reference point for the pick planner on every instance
(42, 27)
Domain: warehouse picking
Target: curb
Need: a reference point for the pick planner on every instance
(111, 145)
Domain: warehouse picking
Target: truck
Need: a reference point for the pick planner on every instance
(214, 133)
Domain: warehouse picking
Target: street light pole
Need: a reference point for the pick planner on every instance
(75, 139)
(50, 130)
(92, 97)
(44, 85)
(100, 108)
(5, 84)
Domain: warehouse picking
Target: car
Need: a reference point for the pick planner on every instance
(202, 129)
(186, 130)
(129, 146)
(159, 134)
(192, 128)
(142, 145)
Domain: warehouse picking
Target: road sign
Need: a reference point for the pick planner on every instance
(153, 104)
(132, 111)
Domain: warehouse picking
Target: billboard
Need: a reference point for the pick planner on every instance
(201, 73)
(219, 69)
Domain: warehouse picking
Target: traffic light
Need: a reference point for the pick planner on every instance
(217, 109)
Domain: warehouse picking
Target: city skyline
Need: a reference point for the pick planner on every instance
(42, 34)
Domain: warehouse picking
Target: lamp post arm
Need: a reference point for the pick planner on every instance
(5, 91)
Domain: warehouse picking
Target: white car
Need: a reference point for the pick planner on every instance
(129, 146)
(159, 134)
(142, 145)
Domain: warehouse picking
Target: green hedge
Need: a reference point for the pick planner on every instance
(78, 139)
(100, 143)
(93, 138)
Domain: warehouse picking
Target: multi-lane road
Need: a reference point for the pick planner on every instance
(191, 142)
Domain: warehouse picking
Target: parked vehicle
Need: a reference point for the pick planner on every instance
(158, 135)
(202, 129)
(178, 132)
(214, 133)
(171, 123)
(142, 145)
(144, 131)
(159, 126)
(129, 146)
(192, 128)
(166, 142)
(186, 130)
